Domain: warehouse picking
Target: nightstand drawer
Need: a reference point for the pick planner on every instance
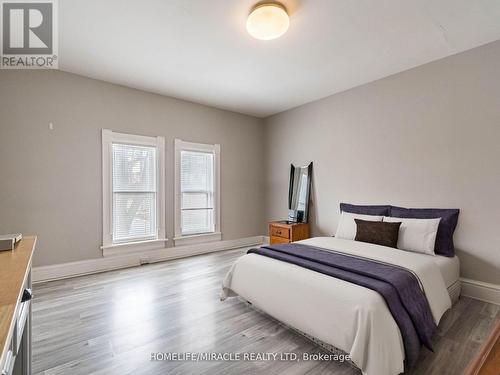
(286, 232)
(280, 232)
(278, 240)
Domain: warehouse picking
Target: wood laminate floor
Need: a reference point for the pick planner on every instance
(110, 323)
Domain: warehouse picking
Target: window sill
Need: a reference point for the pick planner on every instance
(133, 247)
(197, 238)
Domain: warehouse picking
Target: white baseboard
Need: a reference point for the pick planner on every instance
(85, 267)
(480, 290)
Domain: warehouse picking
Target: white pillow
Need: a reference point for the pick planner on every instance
(418, 235)
(347, 226)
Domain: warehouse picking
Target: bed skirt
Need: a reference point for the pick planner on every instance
(454, 291)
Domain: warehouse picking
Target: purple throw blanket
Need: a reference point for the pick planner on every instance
(399, 287)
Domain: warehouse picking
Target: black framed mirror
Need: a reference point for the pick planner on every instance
(299, 192)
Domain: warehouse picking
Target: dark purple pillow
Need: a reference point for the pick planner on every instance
(447, 225)
(365, 210)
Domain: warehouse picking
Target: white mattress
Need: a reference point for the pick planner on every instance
(449, 267)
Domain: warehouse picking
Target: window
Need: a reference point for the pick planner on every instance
(197, 192)
(133, 191)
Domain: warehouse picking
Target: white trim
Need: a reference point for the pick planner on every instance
(133, 243)
(85, 267)
(162, 232)
(133, 247)
(480, 290)
(202, 147)
(107, 230)
(108, 138)
(197, 238)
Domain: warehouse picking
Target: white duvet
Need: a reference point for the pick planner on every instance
(347, 316)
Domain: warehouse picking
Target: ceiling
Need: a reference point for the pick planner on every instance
(199, 50)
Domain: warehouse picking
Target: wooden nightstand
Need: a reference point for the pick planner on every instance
(286, 232)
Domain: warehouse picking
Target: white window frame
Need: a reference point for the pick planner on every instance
(180, 239)
(108, 247)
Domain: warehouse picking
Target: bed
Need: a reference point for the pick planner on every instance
(346, 316)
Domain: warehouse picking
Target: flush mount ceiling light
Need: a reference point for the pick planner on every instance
(268, 21)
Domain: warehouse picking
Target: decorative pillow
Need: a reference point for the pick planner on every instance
(365, 210)
(347, 227)
(418, 235)
(378, 233)
(449, 218)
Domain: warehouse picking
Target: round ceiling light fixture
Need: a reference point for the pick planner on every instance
(268, 21)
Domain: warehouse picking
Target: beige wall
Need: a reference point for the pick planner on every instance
(50, 181)
(427, 137)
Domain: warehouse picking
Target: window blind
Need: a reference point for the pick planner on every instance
(134, 192)
(197, 192)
